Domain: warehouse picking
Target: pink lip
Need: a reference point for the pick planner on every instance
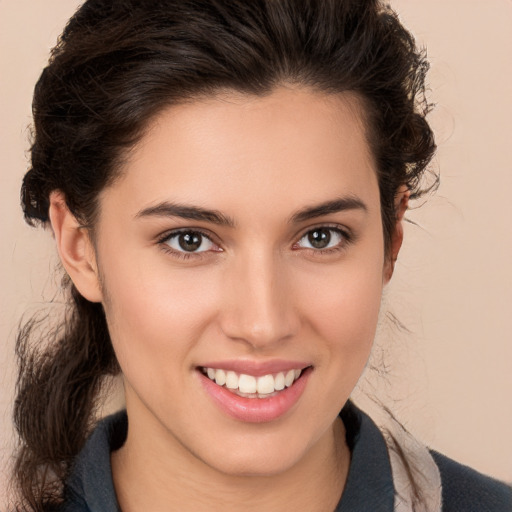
(257, 368)
(255, 410)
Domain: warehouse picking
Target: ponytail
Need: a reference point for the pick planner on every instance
(60, 376)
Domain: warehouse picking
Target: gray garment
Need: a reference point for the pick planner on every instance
(369, 485)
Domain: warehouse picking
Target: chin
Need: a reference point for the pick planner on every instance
(257, 454)
(256, 464)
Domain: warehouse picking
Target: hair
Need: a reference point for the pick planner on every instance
(117, 64)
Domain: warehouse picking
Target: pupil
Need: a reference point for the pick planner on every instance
(319, 238)
(190, 241)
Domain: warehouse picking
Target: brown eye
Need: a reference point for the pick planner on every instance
(322, 238)
(189, 241)
(319, 238)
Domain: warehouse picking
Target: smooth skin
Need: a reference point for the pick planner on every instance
(252, 286)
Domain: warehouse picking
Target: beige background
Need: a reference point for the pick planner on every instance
(449, 380)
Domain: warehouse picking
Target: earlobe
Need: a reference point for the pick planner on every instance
(75, 248)
(397, 236)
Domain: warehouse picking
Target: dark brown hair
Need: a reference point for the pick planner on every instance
(117, 64)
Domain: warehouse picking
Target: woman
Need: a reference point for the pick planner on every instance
(226, 183)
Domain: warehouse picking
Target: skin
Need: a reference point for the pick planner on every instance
(259, 291)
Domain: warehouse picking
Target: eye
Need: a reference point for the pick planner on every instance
(322, 238)
(189, 241)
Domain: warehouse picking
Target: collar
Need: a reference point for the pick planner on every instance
(369, 484)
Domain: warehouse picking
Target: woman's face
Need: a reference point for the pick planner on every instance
(243, 242)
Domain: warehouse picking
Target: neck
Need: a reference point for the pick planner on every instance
(151, 473)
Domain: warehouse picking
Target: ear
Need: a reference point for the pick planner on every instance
(75, 248)
(397, 235)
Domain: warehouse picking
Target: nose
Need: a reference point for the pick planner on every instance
(258, 306)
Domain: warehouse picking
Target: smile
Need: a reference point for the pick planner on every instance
(250, 386)
(255, 392)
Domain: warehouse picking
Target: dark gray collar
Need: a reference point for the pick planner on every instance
(369, 484)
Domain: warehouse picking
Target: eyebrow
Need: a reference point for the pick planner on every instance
(329, 207)
(167, 209)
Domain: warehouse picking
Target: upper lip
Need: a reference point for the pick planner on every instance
(256, 368)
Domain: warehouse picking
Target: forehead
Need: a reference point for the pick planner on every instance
(293, 146)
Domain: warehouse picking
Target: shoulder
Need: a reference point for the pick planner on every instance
(90, 486)
(73, 506)
(467, 490)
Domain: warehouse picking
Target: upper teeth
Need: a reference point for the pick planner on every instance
(249, 384)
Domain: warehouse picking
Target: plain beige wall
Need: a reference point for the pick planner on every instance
(450, 379)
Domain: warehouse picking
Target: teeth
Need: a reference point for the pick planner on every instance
(246, 383)
(279, 381)
(220, 377)
(265, 384)
(289, 378)
(231, 379)
(250, 386)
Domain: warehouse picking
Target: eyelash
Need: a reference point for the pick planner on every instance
(163, 242)
(346, 239)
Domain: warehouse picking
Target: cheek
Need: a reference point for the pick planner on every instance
(155, 317)
(344, 317)
(346, 302)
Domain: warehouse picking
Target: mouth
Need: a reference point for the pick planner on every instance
(251, 394)
(251, 386)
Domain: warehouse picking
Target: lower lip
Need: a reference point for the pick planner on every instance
(256, 410)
